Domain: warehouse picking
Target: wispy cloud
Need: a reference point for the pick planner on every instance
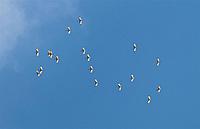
(12, 26)
(18, 16)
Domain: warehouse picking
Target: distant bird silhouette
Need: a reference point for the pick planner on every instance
(83, 51)
(68, 30)
(37, 52)
(88, 57)
(132, 77)
(91, 69)
(57, 59)
(96, 82)
(119, 86)
(80, 20)
(40, 71)
(158, 89)
(50, 54)
(149, 99)
(157, 61)
(134, 47)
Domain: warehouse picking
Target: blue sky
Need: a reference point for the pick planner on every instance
(64, 97)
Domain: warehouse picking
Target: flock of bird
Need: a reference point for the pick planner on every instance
(39, 70)
(91, 68)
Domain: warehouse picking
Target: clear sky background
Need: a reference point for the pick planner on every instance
(64, 97)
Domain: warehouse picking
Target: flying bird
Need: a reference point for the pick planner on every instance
(96, 82)
(91, 69)
(88, 57)
(119, 86)
(41, 70)
(68, 30)
(134, 47)
(157, 61)
(83, 51)
(149, 99)
(57, 59)
(158, 89)
(37, 52)
(38, 73)
(80, 20)
(50, 53)
(132, 78)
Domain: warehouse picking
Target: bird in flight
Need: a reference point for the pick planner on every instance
(50, 53)
(91, 69)
(149, 99)
(57, 59)
(80, 20)
(134, 47)
(132, 77)
(157, 61)
(83, 51)
(158, 89)
(68, 30)
(37, 52)
(119, 86)
(88, 57)
(96, 82)
(39, 72)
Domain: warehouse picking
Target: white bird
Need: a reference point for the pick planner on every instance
(157, 61)
(37, 52)
(88, 57)
(80, 20)
(119, 86)
(83, 51)
(132, 78)
(91, 69)
(57, 59)
(38, 73)
(96, 82)
(149, 99)
(158, 89)
(40, 70)
(50, 53)
(68, 30)
(134, 47)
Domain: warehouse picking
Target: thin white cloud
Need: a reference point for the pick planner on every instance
(18, 17)
(12, 26)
